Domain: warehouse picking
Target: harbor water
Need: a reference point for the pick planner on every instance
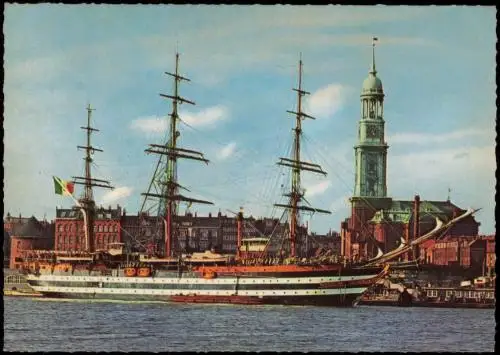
(32, 324)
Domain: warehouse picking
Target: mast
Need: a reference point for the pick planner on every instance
(169, 196)
(87, 200)
(296, 194)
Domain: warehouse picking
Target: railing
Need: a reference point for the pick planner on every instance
(14, 279)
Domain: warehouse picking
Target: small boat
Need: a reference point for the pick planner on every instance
(431, 296)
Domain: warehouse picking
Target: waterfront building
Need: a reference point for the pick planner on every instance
(11, 223)
(70, 232)
(196, 233)
(474, 252)
(30, 235)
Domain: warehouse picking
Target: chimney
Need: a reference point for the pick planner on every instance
(343, 231)
(416, 224)
(240, 232)
(209, 215)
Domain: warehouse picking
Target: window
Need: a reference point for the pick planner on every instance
(100, 228)
(105, 228)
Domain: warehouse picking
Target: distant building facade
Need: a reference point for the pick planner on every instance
(31, 235)
(475, 252)
(193, 233)
(70, 232)
(12, 226)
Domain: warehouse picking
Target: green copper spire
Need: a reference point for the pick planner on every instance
(371, 148)
(373, 70)
(372, 84)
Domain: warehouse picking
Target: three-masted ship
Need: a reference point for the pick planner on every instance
(208, 277)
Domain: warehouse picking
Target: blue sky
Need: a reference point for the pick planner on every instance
(437, 65)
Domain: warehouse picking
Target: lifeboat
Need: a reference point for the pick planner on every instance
(144, 272)
(130, 271)
(209, 274)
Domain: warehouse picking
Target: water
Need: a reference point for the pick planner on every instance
(42, 325)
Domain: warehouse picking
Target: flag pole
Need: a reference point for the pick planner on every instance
(83, 211)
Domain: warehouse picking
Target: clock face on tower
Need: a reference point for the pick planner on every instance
(372, 131)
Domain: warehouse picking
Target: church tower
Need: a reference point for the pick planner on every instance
(370, 154)
(371, 149)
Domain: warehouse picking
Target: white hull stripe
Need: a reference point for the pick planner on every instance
(128, 291)
(199, 280)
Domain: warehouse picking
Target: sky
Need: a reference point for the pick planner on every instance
(437, 65)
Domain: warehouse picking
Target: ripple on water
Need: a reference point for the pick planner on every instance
(118, 326)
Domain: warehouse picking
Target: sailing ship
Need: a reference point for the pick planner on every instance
(207, 278)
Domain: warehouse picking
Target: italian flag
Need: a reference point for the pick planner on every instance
(63, 187)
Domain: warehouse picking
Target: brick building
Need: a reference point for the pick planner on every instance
(70, 233)
(9, 223)
(388, 225)
(491, 256)
(477, 253)
(31, 235)
(194, 233)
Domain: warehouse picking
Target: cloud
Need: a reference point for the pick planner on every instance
(426, 138)
(227, 151)
(460, 155)
(116, 194)
(340, 204)
(475, 159)
(149, 124)
(156, 124)
(206, 117)
(317, 189)
(325, 102)
(430, 173)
